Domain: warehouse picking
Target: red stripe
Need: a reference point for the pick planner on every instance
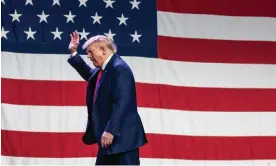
(222, 51)
(38, 144)
(72, 93)
(219, 7)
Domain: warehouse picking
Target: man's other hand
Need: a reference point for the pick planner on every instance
(75, 40)
(106, 140)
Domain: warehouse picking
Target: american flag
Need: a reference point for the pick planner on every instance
(205, 73)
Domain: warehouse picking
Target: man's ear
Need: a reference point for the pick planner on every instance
(104, 50)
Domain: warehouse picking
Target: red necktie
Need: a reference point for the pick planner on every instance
(98, 78)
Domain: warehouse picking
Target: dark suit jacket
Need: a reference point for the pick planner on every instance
(115, 107)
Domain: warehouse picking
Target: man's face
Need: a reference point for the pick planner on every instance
(96, 54)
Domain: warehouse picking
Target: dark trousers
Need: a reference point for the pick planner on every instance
(125, 158)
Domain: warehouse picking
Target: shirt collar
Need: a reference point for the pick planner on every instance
(106, 61)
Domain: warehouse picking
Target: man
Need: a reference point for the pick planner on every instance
(113, 120)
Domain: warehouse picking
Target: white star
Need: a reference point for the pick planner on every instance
(135, 4)
(83, 34)
(29, 2)
(70, 17)
(30, 33)
(135, 36)
(57, 34)
(83, 2)
(110, 35)
(43, 17)
(4, 33)
(15, 16)
(56, 2)
(108, 3)
(122, 19)
(96, 18)
(3, 2)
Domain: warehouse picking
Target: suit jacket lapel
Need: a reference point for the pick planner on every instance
(95, 73)
(99, 84)
(105, 73)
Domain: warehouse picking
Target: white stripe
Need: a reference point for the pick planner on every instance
(7, 160)
(146, 70)
(216, 27)
(159, 121)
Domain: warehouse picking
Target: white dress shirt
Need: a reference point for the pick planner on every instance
(106, 61)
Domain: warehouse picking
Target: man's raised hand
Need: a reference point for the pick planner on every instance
(75, 40)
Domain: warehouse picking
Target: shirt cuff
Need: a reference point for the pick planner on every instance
(75, 53)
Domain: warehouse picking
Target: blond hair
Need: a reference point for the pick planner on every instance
(101, 39)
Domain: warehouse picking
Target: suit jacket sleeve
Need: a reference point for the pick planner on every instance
(80, 66)
(122, 90)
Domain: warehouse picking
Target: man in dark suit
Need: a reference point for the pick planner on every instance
(113, 120)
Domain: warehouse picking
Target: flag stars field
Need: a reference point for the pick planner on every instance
(70, 17)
